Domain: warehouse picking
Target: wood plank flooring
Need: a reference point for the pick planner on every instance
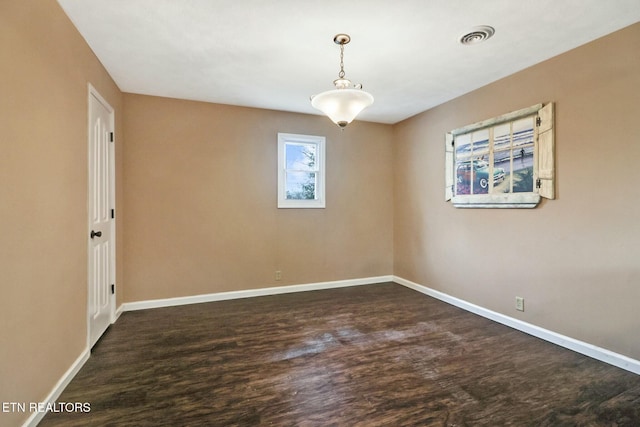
(376, 355)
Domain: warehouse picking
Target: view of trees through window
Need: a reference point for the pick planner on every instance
(301, 171)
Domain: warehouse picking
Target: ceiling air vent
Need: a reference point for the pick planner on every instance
(477, 35)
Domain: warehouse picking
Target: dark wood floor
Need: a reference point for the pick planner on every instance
(378, 355)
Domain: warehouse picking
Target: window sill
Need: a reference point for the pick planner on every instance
(301, 204)
(523, 200)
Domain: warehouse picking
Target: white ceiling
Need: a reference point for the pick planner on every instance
(276, 54)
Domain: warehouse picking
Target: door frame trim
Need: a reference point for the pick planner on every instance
(93, 92)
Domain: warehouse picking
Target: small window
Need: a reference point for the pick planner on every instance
(301, 171)
(506, 161)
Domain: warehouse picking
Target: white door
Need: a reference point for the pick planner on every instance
(101, 256)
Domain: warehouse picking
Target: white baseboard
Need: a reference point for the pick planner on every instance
(36, 417)
(119, 311)
(578, 346)
(222, 296)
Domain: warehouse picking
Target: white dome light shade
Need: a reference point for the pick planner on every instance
(342, 105)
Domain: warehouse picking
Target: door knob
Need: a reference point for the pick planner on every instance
(96, 234)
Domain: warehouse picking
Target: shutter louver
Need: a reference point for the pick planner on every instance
(448, 169)
(545, 152)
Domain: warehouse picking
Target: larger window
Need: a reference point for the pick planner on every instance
(301, 171)
(505, 161)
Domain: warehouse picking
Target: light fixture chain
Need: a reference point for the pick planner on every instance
(341, 73)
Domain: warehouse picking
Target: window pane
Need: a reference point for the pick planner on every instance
(480, 166)
(502, 158)
(523, 170)
(300, 185)
(523, 131)
(463, 146)
(480, 141)
(301, 157)
(501, 173)
(502, 136)
(463, 177)
(480, 178)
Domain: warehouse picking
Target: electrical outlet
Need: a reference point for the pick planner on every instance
(519, 303)
(278, 275)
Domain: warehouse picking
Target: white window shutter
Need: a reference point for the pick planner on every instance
(448, 168)
(545, 179)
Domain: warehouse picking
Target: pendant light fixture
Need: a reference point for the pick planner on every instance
(346, 101)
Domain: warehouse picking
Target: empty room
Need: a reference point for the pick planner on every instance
(292, 213)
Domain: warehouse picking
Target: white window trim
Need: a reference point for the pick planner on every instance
(320, 142)
(543, 157)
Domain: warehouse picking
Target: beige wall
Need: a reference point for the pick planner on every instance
(200, 196)
(575, 259)
(45, 68)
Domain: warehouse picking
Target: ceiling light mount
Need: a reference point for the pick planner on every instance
(347, 100)
(341, 39)
(477, 35)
